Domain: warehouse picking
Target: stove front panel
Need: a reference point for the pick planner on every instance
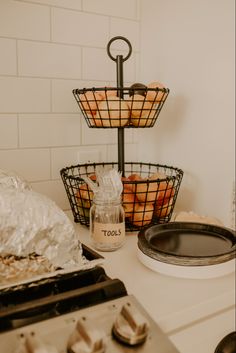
(115, 326)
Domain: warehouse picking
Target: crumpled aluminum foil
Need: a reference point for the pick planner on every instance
(9, 179)
(32, 223)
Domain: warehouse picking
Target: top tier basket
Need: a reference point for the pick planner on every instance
(129, 107)
(150, 190)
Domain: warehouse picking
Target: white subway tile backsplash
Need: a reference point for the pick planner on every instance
(24, 20)
(48, 48)
(138, 10)
(49, 60)
(97, 136)
(97, 65)
(79, 28)
(130, 153)
(69, 4)
(8, 56)
(129, 135)
(24, 95)
(63, 100)
(126, 28)
(54, 189)
(49, 130)
(31, 164)
(65, 157)
(121, 8)
(137, 64)
(8, 131)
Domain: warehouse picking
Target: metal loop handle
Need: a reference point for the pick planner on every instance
(119, 38)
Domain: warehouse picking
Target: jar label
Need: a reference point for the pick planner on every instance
(108, 232)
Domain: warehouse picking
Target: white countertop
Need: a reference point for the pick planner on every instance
(195, 314)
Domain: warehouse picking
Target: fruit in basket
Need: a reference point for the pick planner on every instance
(84, 195)
(129, 200)
(143, 213)
(156, 95)
(142, 111)
(165, 190)
(108, 92)
(155, 188)
(144, 120)
(112, 112)
(146, 191)
(164, 209)
(139, 106)
(161, 202)
(93, 177)
(89, 102)
(126, 183)
(84, 211)
(138, 88)
(135, 177)
(157, 175)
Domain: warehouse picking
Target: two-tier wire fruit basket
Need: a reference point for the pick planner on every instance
(149, 190)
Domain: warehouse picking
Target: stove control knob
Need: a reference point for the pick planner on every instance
(87, 337)
(130, 326)
(33, 344)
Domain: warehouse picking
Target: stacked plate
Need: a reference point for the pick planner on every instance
(188, 250)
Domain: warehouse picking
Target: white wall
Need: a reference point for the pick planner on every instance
(189, 46)
(47, 48)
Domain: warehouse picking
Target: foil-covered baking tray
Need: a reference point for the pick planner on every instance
(91, 259)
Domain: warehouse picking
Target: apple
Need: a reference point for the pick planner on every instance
(143, 213)
(129, 201)
(165, 209)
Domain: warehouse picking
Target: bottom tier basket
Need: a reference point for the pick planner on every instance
(149, 192)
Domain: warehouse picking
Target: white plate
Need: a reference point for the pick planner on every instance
(193, 272)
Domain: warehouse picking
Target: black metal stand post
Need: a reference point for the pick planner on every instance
(121, 131)
(120, 84)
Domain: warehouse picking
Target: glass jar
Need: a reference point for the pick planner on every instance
(107, 224)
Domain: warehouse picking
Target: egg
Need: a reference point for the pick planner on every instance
(142, 111)
(139, 106)
(89, 102)
(155, 95)
(108, 92)
(113, 112)
(146, 119)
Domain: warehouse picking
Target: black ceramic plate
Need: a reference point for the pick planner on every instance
(187, 243)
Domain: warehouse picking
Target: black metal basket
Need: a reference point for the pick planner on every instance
(103, 107)
(149, 192)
